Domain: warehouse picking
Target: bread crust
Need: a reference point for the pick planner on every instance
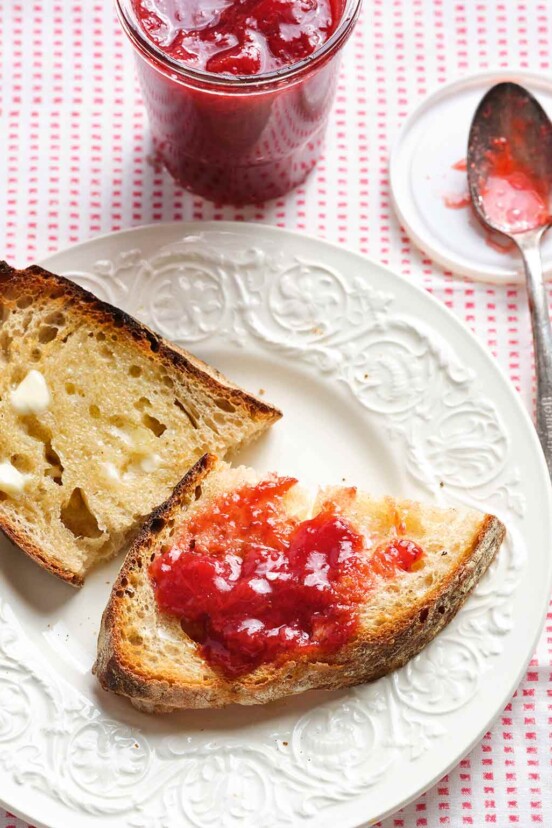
(366, 658)
(98, 314)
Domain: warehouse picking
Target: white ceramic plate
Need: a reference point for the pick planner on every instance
(380, 385)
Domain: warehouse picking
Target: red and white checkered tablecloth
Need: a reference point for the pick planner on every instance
(74, 150)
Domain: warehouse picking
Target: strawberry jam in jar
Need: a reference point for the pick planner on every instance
(238, 91)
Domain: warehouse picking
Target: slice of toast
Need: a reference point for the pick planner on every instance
(99, 419)
(144, 654)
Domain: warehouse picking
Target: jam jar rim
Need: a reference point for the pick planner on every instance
(236, 83)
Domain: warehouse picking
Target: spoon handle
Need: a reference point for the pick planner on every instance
(529, 244)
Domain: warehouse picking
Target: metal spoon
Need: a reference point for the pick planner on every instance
(510, 120)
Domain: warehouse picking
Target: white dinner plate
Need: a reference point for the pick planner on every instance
(381, 386)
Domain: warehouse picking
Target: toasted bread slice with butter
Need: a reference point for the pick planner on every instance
(99, 419)
(144, 653)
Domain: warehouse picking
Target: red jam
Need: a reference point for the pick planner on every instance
(457, 202)
(232, 135)
(513, 197)
(252, 585)
(495, 240)
(238, 37)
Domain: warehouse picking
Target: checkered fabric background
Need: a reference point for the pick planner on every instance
(75, 162)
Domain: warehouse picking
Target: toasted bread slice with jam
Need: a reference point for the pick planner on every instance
(99, 420)
(145, 654)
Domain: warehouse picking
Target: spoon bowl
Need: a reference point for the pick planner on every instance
(510, 161)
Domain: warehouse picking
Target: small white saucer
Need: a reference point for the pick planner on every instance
(425, 178)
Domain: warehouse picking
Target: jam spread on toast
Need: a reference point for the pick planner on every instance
(252, 584)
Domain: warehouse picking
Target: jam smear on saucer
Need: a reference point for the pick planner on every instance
(252, 584)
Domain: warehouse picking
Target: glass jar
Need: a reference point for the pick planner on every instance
(238, 139)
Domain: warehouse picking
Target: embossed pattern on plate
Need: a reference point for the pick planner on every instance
(305, 318)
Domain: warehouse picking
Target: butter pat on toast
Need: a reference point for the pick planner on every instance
(99, 419)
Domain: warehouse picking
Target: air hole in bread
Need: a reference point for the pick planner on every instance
(135, 371)
(94, 412)
(225, 405)
(100, 336)
(167, 381)
(51, 456)
(70, 388)
(36, 429)
(4, 313)
(57, 293)
(24, 301)
(423, 615)
(55, 476)
(22, 464)
(154, 342)
(154, 425)
(197, 492)
(183, 408)
(124, 581)
(107, 352)
(5, 344)
(142, 403)
(157, 525)
(428, 580)
(218, 420)
(26, 321)
(36, 353)
(77, 517)
(118, 322)
(57, 319)
(47, 333)
(441, 610)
